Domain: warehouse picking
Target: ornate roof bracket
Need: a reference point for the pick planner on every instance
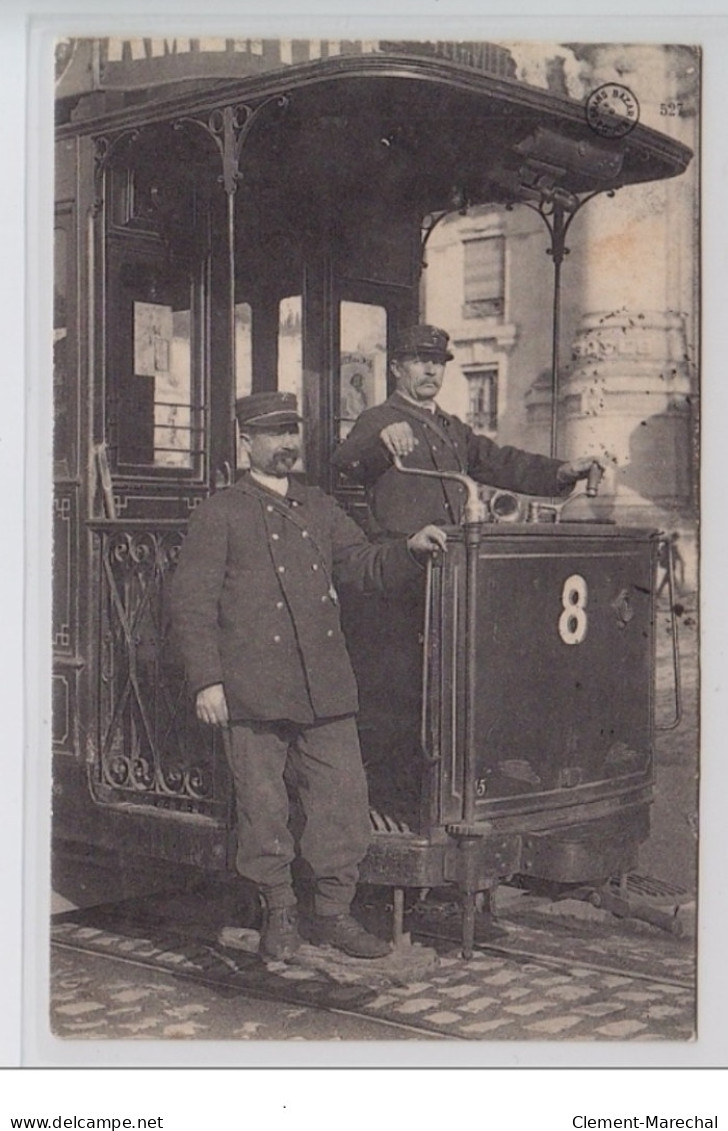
(105, 146)
(460, 204)
(229, 128)
(557, 210)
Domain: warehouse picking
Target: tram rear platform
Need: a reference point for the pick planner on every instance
(560, 969)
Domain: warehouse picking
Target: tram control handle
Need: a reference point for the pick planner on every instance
(594, 478)
(475, 511)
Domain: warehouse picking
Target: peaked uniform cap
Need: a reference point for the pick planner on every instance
(269, 409)
(422, 341)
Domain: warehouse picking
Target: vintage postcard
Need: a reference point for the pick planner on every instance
(376, 393)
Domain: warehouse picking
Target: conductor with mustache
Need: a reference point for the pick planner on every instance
(256, 609)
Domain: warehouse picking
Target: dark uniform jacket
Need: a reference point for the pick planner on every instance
(254, 606)
(402, 503)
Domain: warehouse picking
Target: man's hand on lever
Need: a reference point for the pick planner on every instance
(211, 706)
(398, 438)
(591, 468)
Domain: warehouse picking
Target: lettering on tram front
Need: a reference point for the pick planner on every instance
(573, 619)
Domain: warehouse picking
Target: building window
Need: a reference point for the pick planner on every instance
(484, 282)
(483, 399)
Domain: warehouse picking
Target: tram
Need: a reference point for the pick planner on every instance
(216, 233)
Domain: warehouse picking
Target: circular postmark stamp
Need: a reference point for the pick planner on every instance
(612, 110)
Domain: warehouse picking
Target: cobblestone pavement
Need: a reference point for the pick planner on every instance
(497, 995)
(95, 997)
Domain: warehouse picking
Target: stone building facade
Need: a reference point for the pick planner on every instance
(628, 356)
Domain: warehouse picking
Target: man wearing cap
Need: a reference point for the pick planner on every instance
(384, 634)
(255, 607)
(411, 425)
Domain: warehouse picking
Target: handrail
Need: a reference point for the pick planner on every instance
(677, 681)
(473, 517)
(109, 525)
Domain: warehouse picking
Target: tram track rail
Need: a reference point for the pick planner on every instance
(166, 949)
(519, 955)
(293, 998)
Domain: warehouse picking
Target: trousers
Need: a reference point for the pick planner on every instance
(322, 762)
(385, 640)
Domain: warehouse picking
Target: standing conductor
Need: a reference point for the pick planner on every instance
(255, 605)
(386, 634)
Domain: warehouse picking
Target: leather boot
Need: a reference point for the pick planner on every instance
(344, 933)
(279, 937)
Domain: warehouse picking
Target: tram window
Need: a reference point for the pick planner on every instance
(172, 398)
(159, 422)
(362, 361)
(243, 349)
(290, 352)
(290, 346)
(61, 389)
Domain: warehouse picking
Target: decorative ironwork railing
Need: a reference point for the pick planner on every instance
(151, 749)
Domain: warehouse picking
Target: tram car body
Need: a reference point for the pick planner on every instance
(203, 229)
(538, 710)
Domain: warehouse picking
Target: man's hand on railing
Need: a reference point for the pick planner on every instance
(427, 541)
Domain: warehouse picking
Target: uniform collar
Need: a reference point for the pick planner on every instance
(296, 490)
(404, 404)
(271, 483)
(431, 407)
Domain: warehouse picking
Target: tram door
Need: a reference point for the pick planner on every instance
(194, 304)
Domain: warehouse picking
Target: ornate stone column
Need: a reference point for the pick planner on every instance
(628, 395)
(630, 386)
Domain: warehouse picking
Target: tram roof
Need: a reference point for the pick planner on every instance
(460, 133)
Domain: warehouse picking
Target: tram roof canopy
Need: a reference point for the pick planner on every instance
(441, 132)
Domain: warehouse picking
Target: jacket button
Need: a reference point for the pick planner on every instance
(279, 604)
(275, 537)
(330, 632)
(304, 533)
(269, 508)
(276, 639)
(325, 597)
(314, 567)
(281, 569)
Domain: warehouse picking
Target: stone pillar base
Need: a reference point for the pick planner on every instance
(627, 395)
